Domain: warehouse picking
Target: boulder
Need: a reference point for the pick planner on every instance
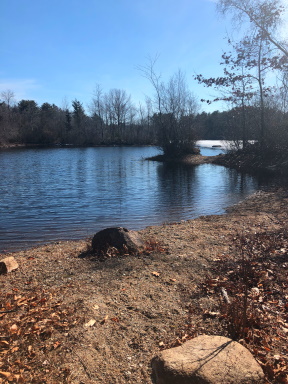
(120, 238)
(207, 360)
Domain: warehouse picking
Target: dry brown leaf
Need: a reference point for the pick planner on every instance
(22, 301)
(57, 344)
(104, 320)
(7, 375)
(18, 378)
(154, 273)
(13, 328)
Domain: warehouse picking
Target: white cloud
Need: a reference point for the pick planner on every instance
(23, 89)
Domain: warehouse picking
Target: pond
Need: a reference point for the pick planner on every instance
(71, 193)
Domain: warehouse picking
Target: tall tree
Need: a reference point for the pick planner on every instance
(264, 15)
(174, 109)
(256, 55)
(79, 122)
(119, 106)
(29, 126)
(97, 111)
(51, 124)
(8, 130)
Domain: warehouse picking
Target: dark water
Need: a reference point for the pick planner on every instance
(71, 193)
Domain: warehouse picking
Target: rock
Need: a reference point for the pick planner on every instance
(207, 360)
(8, 264)
(120, 238)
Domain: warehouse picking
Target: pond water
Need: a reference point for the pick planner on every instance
(70, 193)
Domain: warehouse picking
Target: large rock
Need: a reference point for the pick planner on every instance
(120, 238)
(207, 360)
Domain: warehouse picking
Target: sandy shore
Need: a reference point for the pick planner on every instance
(67, 317)
(188, 159)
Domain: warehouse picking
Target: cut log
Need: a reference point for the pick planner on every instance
(8, 264)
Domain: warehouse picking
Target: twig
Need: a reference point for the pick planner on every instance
(225, 295)
(11, 310)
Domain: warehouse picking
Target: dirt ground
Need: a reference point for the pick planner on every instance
(68, 317)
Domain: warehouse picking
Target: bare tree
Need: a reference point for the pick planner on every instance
(8, 128)
(264, 15)
(96, 109)
(174, 108)
(118, 109)
(283, 92)
(8, 97)
(257, 55)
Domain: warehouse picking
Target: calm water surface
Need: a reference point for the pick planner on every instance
(71, 193)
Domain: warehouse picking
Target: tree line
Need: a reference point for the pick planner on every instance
(119, 122)
(171, 118)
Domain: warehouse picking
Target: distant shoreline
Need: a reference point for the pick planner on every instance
(28, 146)
(239, 160)
(188, 159)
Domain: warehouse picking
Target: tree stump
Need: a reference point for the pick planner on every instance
(122, 239)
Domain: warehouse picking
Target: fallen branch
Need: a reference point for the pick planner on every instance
(11, 310)
(225, 295)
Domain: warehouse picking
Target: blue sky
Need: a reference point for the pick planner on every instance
(53, 51)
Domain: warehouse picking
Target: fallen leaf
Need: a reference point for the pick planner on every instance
(5, 374)
(104, 320)
(14, 328)
(211, 314)
(57, 344)
(18, 378)
(90, 323)
(157, 274)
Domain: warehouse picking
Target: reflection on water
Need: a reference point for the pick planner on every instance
(63, 193)
(211, 151)
(207, 189)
